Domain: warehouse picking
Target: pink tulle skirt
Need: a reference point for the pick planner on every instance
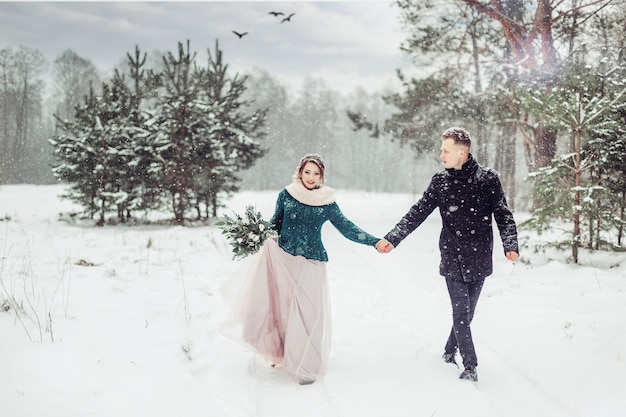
(282, 311)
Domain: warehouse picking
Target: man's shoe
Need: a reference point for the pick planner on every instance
(449, 358)
(469, 373)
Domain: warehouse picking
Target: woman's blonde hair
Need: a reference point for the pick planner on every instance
(317, 160)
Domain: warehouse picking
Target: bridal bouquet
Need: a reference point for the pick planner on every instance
(246, 233)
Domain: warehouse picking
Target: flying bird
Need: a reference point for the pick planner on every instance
(287, 19)
(241, 35)
(276, 14)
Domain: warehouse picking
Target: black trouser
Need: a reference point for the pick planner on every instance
(463, 296)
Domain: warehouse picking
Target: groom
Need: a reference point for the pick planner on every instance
(468, 196)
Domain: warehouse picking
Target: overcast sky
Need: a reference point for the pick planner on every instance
(348, 43)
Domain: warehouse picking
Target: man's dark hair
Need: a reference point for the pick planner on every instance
(459, 135)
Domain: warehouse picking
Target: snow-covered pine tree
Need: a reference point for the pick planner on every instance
(179, 136)
(176, 127)
(94, 152)
(201, 134)
(114, 151)
(607, 231)
(608, 143)
(142, 181)
(229, 135)
(76, 152)
(586, 106)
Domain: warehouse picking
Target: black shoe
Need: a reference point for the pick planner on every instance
(449, 358)
(469, 373)
(306, 380)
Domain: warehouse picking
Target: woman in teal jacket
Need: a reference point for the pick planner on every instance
(285, 309)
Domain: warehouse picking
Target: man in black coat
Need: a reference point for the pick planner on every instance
(468, 196)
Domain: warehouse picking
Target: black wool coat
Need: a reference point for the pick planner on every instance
(467, 199)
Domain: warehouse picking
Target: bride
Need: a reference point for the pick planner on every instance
(284, 309)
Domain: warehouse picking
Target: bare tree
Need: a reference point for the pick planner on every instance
(73, 75)
(20, 109)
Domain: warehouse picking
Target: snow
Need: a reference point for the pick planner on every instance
(125, 321)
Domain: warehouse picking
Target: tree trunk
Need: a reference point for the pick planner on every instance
(577, 183)
(521, 39)
(100, 222)
(214, 203)
(620, 229)
(505, 162)
(576, 234)
(180, 206)
(545, 146)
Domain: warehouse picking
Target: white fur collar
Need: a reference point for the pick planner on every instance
(316, 197)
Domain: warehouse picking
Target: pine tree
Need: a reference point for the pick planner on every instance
(202, 135)
(180, 135)
(586, 105)
(175, 127)
(75, 149)
(142, 184)
(230, 136)
(94, 152)
(119, 154)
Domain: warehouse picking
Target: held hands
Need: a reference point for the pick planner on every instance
(511, 256)
(383, 246)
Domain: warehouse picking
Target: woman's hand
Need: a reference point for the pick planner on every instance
(383, 246)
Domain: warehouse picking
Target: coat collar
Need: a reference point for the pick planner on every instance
(316, 197)
(467, 170)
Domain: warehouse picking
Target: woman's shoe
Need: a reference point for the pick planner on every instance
(306, 380)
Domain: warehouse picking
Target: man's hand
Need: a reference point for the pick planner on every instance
(383, 246)
(511, 256)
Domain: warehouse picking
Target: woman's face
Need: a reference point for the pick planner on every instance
(310, 175)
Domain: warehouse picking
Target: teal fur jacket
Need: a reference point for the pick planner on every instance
(299, 216)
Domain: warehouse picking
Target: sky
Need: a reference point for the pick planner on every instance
(347, 43)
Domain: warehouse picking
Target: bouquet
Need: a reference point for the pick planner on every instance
(246, 233)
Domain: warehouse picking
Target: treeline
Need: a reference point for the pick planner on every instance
(167, 133)
(540, 85)
(315, 120)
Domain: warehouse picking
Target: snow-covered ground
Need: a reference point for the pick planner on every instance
(125, 322)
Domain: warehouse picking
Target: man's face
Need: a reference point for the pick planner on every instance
(452, 155)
